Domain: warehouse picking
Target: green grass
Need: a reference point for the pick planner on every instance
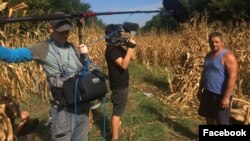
(152, 75)
(146, 118)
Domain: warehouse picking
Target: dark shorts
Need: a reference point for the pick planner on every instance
(210, 108)
(119, 99)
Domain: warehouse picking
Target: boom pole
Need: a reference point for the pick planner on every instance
(5, 20)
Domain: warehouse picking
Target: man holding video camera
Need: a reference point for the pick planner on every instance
(118, 54)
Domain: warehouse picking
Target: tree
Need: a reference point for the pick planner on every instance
(161, 22)
(69, 6)
(227, 10)
(221, 10)
(217, 10)
(42, 7)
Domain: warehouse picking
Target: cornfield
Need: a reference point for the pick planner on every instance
(180, 53)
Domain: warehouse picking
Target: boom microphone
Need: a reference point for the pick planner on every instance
(180, 14)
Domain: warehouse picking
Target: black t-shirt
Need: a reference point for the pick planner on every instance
(118, 77)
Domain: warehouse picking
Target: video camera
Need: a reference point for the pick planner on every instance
(119, 34)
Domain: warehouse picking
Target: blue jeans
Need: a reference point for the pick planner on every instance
(68, 126)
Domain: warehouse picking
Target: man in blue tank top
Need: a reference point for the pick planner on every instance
(217, 82)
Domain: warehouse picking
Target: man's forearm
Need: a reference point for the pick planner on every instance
(127, 58)
(229, 88)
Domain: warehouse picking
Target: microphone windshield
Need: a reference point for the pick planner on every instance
(180, 13)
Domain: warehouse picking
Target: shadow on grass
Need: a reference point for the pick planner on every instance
(177, 127)
(43, 131)
(160, 84)
(101, 120)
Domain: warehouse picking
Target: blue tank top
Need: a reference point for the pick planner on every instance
(214, 74)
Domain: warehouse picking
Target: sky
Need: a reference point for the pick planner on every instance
(125, 5)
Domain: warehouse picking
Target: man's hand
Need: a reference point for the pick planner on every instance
(25, 116)
(131, 43)
(225, 102)
(83, 49)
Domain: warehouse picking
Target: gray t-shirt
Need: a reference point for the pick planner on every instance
(45, 53)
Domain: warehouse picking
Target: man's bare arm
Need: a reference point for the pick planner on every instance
(231, 67)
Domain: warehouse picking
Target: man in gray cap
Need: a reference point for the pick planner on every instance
(61, 60)
(61, 24)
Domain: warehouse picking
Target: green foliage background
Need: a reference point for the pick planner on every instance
(225, 11)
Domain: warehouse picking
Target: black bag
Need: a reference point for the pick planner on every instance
(69, 91)
(93, 86)
(89, 87)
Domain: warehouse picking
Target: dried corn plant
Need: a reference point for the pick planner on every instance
(17, 79)
(241, 111)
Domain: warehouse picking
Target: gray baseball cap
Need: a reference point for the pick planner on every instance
(61, 24)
